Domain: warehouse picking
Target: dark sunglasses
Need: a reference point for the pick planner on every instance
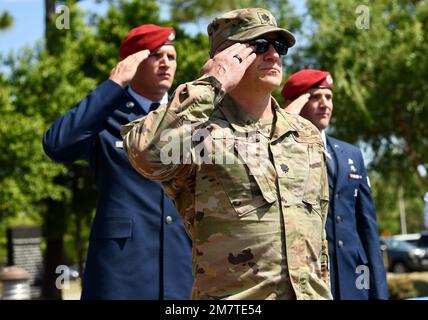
(262, 45)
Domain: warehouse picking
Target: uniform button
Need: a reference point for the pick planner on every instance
(130, 104)
(340, 243)
(339, 219)
(336, 196)
(168, 219)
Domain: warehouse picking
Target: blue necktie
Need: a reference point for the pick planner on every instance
(154, 106)
(330, 162)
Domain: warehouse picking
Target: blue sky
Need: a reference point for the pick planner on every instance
(29, 22)
(28, 25)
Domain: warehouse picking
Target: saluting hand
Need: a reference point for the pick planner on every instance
(229, 65)
(296, 106)
(125, 70)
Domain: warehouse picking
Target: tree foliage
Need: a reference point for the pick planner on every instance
(6, 20)
(377, 55)
(192, 10)
(381, 76)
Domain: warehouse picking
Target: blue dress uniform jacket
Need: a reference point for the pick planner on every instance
(351, 228)
(138, 245)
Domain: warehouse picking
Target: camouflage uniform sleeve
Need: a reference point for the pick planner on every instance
(325, 268)
(159, 145)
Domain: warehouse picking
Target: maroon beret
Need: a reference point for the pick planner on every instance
(146, 36)
(306, 79)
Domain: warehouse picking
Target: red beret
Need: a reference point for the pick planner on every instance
(146, 36)
(305, 79)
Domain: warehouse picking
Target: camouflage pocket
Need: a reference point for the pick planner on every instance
(313, 191)
(292, 167)
(242, 189)
(243, 177)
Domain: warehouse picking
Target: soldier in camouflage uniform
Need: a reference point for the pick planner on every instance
(249, 179)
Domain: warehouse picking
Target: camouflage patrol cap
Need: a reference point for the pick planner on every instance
(244, 25)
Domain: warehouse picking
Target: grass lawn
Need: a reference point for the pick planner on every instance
(73, 292)
(408, 285)
(401, 286)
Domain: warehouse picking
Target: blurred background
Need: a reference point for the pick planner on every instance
(53, 53)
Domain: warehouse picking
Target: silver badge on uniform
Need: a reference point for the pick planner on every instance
(119, 144)
(355, 176)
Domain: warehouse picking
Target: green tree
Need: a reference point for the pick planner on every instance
(193, 10)
(6, 20)
(43, 85)
(386, 197)
(377, 55)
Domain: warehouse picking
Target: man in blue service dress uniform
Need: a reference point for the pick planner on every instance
(356, 264)
(138, 245)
